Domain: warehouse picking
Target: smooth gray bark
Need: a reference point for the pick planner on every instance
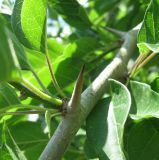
(70, 123)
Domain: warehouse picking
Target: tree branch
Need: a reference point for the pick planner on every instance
(72, 121)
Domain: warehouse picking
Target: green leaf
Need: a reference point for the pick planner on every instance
(12, 146)
(148, 37)
(36, 59)
(72, 12)
(102, 6)
(145, 101)
(20, 53)
(143, 141)
(30, 137)
(7, 95)
(89, 150)
(29, 23)
(8, 60)
(96, 129)
(105, 126)
(155, 84)
(117, 116)
(4, 155)
(67, 66)
(55, 49)
(8, 98)
(19, 50)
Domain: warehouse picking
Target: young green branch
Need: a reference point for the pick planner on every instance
(39, 93)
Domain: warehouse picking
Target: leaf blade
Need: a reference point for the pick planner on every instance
(105, 126)
(29, 23)
(148, 34)
(8, 61)
(72, 12)
(145, 101)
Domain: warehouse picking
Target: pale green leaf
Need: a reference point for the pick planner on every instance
(117, 116)
(145, 101)
(105, 126)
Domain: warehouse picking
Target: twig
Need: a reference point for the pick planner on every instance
(140, 62)
(39, 93)
(39, 81)
(136, 64)
(56, 85)
(148, 59)
(23, 106)
(19, 113)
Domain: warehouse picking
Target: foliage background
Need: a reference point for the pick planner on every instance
(77, 35)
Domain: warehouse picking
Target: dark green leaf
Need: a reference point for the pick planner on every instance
(12, 146)
(30, 138)
(103, 6)
(20, 53)
(8, 60)
(90, 151)
(23, 61)
(29, 23)
(143, 141)
(72, 12)
(8, 98)
(148, 37)
(96, 128)
(155, 84)
(7, 95)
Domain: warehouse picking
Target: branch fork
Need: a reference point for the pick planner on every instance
(81, 105)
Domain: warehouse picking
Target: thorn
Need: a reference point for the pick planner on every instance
(76, 95)
(116, 32)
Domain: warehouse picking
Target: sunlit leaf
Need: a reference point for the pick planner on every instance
(148, 37)
(29, 23)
